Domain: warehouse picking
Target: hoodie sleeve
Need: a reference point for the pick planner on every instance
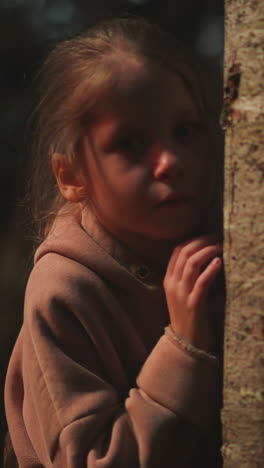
(73, 417)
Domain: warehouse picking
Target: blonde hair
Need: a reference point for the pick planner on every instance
(75, 80)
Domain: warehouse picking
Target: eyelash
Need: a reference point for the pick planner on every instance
(132, 144)
(187, 130)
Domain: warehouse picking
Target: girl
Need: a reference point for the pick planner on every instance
(94, 380)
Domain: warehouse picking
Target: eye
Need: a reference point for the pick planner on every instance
(131, 144)
(187, 131)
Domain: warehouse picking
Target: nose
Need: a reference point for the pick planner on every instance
(167, 164)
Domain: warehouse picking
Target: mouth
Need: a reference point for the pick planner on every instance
(175, 199)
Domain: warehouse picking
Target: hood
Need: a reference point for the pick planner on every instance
(80, 237)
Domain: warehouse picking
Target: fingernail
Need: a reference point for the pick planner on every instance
(217, 261)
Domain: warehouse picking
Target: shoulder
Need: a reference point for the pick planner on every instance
(59, 285)
(55, 272)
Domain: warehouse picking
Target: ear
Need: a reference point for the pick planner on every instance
(69, 179)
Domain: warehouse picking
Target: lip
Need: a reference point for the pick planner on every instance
(175, 198)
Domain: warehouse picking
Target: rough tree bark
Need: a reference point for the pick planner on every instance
(243, 119)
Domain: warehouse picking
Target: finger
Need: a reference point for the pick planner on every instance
(205, 280)
(174, 257)
(196, 263)
(193, 245)
(187, 252)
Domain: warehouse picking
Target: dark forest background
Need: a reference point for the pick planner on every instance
(29, 29)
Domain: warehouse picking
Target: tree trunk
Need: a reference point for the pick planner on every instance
(243, 119)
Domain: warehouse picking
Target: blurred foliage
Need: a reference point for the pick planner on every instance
(28, 30)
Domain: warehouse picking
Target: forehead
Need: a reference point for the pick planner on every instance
(148, 92)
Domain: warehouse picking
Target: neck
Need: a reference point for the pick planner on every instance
(155, 253)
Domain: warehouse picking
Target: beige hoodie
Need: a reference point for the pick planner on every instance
(93, 380)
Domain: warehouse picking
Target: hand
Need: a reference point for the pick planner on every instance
(187, 283)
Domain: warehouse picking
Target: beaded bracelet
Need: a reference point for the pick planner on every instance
(186, 346)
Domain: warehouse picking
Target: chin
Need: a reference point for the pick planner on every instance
(179, 232)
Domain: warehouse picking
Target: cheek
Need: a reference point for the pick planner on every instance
(121, 189)
(128, 181)
(201, 159)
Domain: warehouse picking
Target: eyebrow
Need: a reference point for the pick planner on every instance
(186, 114)
(124, 126)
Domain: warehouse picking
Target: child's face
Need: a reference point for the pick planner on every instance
(151, 145)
